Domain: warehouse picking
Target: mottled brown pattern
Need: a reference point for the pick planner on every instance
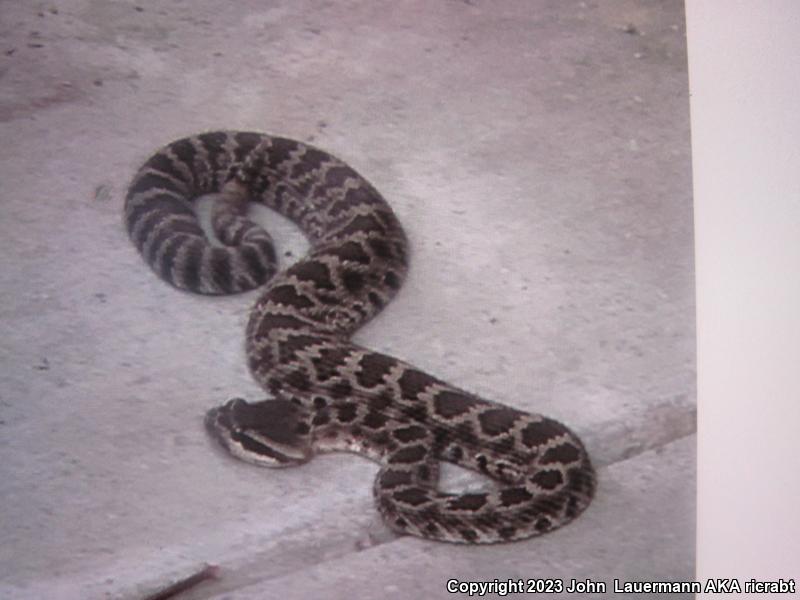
(498, 420)
(468, 502)
(331, 394)
(452, 404)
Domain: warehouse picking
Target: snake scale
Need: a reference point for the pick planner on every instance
(329, 394)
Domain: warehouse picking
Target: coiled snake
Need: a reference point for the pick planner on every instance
(328, 393)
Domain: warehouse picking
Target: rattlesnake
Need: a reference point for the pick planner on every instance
(331, 394)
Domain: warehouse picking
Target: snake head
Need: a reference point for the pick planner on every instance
(267, 433)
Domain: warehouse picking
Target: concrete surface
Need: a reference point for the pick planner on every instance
(408, 568)
(538, 155)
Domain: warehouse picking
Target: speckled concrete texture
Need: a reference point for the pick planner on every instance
(407, 569)
(538, 156)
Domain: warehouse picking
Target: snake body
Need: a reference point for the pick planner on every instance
(329, 394)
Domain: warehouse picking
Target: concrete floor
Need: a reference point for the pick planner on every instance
(538, 155)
